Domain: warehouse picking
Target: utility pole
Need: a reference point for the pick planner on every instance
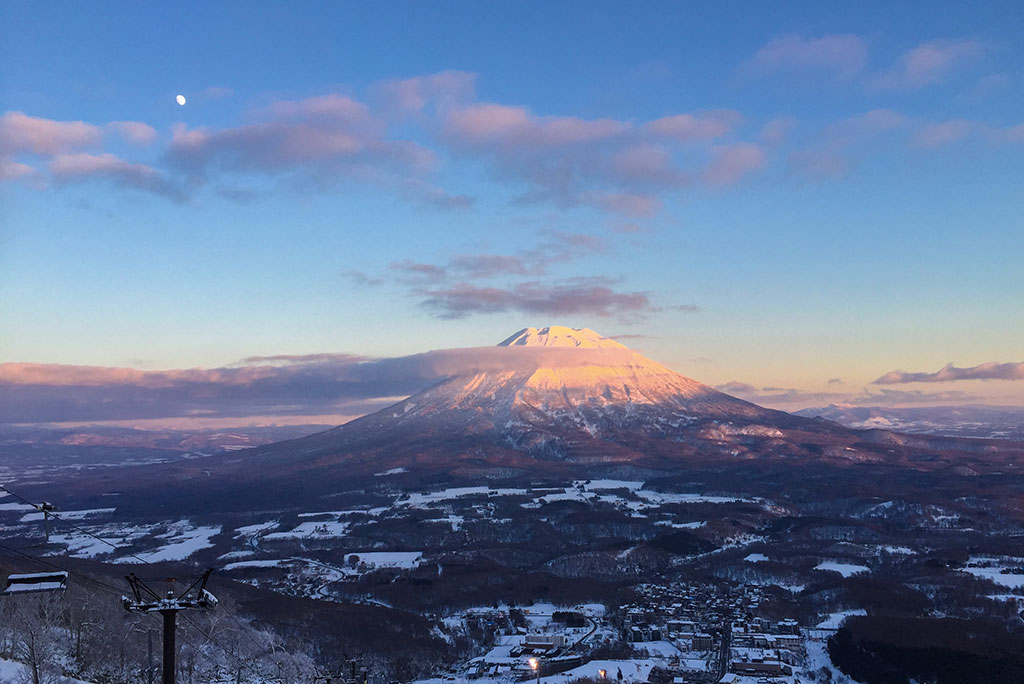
(149, 660)
(168, 606)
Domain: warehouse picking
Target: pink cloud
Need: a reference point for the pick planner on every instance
(280, 385)
(135, 132)
(646, 164)
(688, 127)
(445, 89)
(730, 163)
(949, 373)
(82, 166)
(626, 203)
(942, 133)
(321, 141)
(20, 133)
(11, 170)
(503, 125)
(337, 110)
(591, 296)
(929, 63)
(870, 123)
(840, 55)
(776, 130)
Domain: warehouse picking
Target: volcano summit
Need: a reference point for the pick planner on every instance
(565, 402)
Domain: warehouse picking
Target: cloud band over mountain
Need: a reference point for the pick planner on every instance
(284, 385)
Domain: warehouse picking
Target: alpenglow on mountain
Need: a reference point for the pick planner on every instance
(552, 399)
(556, 403)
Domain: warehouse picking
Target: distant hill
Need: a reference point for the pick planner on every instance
(988, 422)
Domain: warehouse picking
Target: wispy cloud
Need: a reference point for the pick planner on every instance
(928, 64)
(20, 133)
(950, 373)
(325, 139)
(486, 283)
(82, 166)
(594, 296)
(135, 132)
(943, 133)
(618, 166)
(444, 90)
(842, 56)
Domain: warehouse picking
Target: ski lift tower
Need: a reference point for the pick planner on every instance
(145, 600)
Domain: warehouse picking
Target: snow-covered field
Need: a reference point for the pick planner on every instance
(182, 540)
(997, 570)
(844, 569)
(835, 620)
(312, 530)
(69, 515)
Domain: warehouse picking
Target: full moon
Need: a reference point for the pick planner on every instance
(180, 99)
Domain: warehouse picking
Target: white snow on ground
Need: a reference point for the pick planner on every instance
(421, 499)
(374, 512)
(391, 559)
(393, 471)
(249, 530)
(997, 570)
(592, 609)
(594, 485)
(902, 550)
(79, 545)
(662, 498)
(756, 558)
(16, 507)
(68, 515)
(455, 521)
(256, 564)
(834, 620)
(312, 530)
(1006, 597)
(632, 671)
(683, 526)
(844, 569)
(664, 649)
(11, 671)
(817, 658)
(183, 540)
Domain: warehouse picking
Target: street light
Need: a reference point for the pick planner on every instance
(535, 664)
(603, 673)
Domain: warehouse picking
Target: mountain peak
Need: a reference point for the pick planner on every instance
(560, 336)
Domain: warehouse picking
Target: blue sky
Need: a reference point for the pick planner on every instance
(775, 195)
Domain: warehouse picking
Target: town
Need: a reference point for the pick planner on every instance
(678, 633)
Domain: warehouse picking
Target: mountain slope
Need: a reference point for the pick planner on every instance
(561, 398)
(554, 404)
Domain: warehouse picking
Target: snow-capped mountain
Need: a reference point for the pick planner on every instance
(555, 404)
(575, 378)
(556, 395)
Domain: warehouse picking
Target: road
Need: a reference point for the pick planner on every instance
(723, 655)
